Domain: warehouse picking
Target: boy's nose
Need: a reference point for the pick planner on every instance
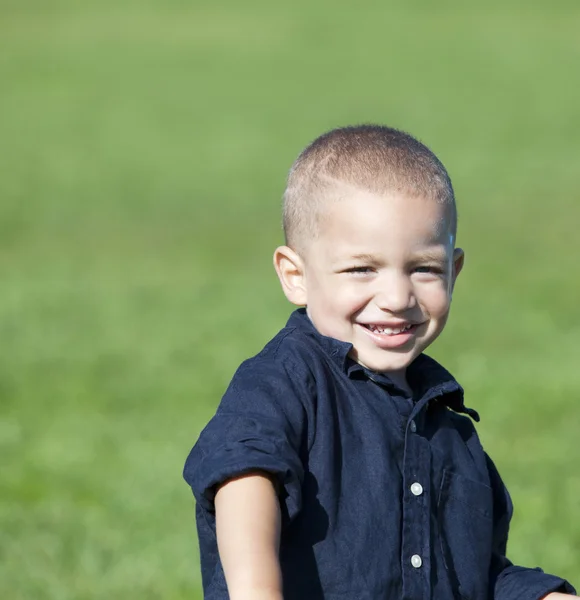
(395, 295)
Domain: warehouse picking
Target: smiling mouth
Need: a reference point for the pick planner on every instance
(384, 330)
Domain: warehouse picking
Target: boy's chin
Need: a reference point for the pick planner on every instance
(397, 364)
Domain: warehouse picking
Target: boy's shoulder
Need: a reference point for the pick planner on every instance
(291, 372)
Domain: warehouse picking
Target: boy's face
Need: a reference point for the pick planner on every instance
(379, 275)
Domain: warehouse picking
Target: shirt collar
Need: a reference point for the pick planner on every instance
(335, 349)
(427, 377)
(432, 380)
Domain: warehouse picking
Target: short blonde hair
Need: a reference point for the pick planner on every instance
(374, 158)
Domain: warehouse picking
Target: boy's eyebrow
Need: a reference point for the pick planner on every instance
(431, 255)
(368, 258)
(425, 255)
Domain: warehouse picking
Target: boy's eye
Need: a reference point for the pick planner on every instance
(428, 269)
(359, 270)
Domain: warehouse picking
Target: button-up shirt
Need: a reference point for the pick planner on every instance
(383, 496)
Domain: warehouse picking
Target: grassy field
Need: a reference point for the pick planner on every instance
(143, 150)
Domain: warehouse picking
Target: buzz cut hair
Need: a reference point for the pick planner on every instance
(374, 158)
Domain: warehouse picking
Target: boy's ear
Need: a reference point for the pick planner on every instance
(458, 260)
(290, 270)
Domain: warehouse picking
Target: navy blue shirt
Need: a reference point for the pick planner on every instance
(383, 496)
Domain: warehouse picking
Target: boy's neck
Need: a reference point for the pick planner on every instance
(399, 378)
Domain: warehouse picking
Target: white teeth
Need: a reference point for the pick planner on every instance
(388, 330)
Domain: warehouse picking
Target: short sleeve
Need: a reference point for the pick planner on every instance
(259, 426)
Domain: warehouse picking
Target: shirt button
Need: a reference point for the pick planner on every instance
(416, 489)
(413, 426)
(416, 561)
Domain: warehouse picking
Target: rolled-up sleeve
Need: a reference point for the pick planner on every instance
(259, 427)
(509, 581)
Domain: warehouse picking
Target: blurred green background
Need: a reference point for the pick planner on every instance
(143, 151)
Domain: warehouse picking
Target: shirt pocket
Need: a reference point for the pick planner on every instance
(465, 519)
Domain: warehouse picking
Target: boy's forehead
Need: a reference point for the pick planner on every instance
(354, 209)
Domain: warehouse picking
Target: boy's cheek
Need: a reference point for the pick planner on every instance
(439, 305)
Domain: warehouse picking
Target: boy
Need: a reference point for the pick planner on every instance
(342, 462)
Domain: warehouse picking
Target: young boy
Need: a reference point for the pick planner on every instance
(342, 462)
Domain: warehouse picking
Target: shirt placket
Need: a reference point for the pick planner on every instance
(415, 542)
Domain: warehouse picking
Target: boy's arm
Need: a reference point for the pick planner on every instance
(248, 536)
(509, 581)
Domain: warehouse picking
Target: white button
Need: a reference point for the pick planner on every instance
(416, 561)
(416, 489)
(413, 426)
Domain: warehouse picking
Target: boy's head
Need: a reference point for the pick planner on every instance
(370, 223)
(373, 158)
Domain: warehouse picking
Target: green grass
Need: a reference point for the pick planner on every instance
(144, 147)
